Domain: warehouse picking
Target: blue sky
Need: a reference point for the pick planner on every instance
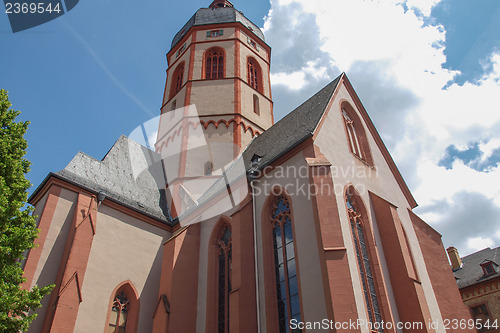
(426, 70)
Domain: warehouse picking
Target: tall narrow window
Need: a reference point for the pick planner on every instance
(224, 260)
(284, 261)
(177, 80)
(209, 168)
(356, 137)
(256, 106)
(214, 63)
(353, 137)
(364, 261)
(119, 312)
(254, 74)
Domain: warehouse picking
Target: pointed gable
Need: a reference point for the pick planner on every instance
(344, 81)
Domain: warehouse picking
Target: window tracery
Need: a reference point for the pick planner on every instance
(287, 287)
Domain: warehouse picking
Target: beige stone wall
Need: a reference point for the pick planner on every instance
(124, 248)
(246, 137)
(348, 169)
(213, 96)
(53, 248)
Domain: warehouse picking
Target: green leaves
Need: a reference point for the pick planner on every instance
(17, 225)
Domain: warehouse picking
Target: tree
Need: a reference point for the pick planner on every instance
(17, 225)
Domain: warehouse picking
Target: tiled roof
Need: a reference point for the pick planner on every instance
(472, 272)
(205, 16)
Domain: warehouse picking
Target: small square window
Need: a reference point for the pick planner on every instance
(180, 50)
(253, 43)
(215, 33)
(488, 269)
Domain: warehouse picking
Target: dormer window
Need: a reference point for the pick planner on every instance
(488, 268)
(255, 159)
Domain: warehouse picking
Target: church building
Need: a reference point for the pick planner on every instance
(235, 223)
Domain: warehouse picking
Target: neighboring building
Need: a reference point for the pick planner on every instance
(478, 278)
(337, 242)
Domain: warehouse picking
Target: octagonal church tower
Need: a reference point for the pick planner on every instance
(219, 64)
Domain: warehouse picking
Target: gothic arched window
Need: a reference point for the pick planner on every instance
(287, 287)
(358, 144)
(177, 80)
(254, 74)
(119, 313)
(123, 311)
(365, 265)
(214, 63)
(224, 263)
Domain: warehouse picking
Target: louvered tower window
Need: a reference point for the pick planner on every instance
(214, 64)
(177, 80)
(254, 74)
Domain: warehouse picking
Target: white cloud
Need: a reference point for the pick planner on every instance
(391, 37)
(488, 147)
(294, 81)
(478, 243)
(297, 80)
(424, 6)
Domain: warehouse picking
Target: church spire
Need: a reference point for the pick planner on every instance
(220, 4)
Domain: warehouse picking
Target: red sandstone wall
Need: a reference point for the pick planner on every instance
(440, 273)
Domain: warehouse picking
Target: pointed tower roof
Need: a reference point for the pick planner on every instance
(219, 12)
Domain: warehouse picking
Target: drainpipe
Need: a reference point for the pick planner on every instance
(252, 174)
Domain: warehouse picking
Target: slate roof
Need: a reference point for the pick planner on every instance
(205, 16)
(129, 174)
(472, 272)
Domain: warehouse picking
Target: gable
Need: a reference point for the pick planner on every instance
(344, 93)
